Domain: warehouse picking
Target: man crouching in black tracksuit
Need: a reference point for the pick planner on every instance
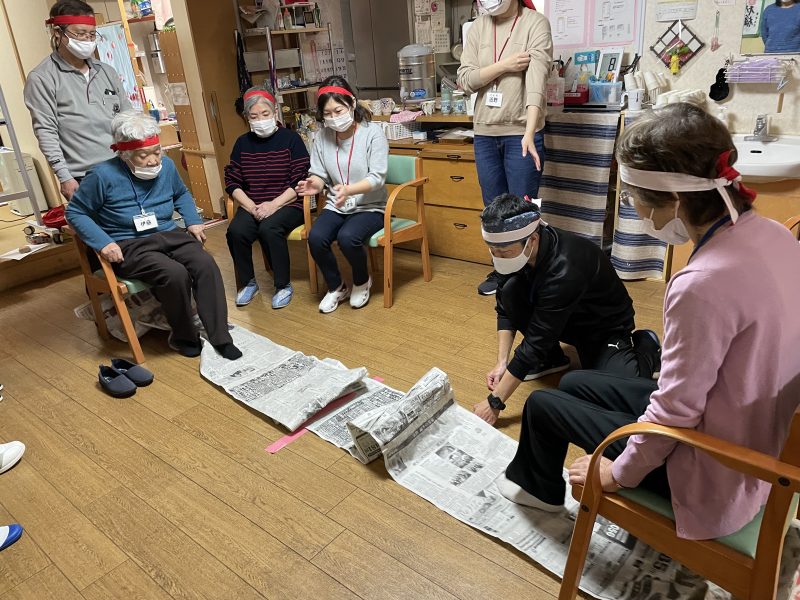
(556, 287)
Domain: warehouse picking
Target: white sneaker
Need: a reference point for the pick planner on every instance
(517, 495)
(359, 296)
(332, 299)
(10, 454)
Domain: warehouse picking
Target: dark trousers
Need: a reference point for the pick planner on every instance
(586, 407)
(271, 233)
(351, 232)
(175, 265)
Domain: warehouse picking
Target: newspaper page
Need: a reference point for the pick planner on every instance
(452, 458)
(285, 385)
(145, 311)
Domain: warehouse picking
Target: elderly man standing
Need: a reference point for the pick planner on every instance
(124, 208)
(72, 97)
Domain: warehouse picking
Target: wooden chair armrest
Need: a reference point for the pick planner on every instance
(387, 221)
(793, 222)
(745, 460)
(307, 211)
(229, 208)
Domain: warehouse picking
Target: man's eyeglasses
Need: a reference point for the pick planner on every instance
(87, 36)
(626, 198)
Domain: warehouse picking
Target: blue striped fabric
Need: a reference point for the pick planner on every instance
(574, 189)
(634, 254)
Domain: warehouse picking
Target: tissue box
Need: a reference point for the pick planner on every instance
(605, 92)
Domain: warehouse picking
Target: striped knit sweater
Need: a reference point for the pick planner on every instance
(264, 167)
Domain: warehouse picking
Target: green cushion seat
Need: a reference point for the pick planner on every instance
(134, 285)
(397, 224)
(744, 541)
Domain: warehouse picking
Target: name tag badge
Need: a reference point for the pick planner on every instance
(145, 221)
(349, 204)
(494, 99)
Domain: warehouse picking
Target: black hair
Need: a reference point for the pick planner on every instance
(76, 8)
(361, 114)
(681, 138)
(504, 207)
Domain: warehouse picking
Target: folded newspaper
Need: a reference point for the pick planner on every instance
(444, 453)
(287, 386)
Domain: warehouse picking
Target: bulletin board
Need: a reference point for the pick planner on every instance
(595, 23)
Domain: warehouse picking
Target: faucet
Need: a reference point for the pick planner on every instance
(761, 131)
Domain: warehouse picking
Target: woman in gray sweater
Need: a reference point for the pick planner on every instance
(350, 158)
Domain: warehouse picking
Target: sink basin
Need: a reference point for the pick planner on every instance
(768, 161)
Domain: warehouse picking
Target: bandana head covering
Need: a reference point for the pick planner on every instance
(135, 144)
(514, 229)
(662, 181)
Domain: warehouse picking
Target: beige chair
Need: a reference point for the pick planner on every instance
(298, 234)
(746, 563)
(104, 281)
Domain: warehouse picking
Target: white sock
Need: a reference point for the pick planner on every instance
(517, 495)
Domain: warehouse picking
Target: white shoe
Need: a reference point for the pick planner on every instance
(517, 495)
(359, 296)
(332, 299)
(10, 454)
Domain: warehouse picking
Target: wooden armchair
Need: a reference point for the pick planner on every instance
(298, 234)
(745, 563)
(793, 225)
(404, 172)
(104, 281)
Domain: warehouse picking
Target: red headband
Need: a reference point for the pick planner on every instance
(262, 93)
(72, 20)
(726, 171)
(529, 4)
(135, 144)
(333, 89)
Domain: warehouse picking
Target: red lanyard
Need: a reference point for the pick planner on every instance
(349, 157)
(514, 24)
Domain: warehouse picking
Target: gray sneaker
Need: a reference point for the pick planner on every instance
(562, 364)
(489, 286)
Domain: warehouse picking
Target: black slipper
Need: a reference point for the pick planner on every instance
(136, 373)
(115, 383)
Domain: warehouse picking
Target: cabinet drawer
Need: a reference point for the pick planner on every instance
(452, 182)
(456, 233)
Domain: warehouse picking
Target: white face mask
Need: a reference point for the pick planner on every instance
(81, 49)
(674, 232)
(340, 123)
(264, 128)
(495, 7)
(146, 172)
(507, 266)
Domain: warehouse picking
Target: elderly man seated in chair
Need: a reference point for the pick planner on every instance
(123, 209)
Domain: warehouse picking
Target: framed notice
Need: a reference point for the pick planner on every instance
(674, 10)
(752, 18)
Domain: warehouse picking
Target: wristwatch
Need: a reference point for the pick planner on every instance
(495, 402)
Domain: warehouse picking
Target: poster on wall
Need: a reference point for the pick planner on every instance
(614, 22)
(568, 22)
(674, 10)
(752, 18)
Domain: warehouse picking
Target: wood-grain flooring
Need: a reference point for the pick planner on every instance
(170, 494)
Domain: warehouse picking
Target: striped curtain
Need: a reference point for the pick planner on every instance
(634, 254)
(574, 189)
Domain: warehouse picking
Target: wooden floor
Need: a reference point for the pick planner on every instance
(170, 494)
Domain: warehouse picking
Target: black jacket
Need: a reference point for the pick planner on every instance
(572, 295)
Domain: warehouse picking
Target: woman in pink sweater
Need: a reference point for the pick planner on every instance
(730, 361)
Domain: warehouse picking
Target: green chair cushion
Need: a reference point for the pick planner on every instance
(397, 225)
(744, 541)
(401, 169)
(134, 285)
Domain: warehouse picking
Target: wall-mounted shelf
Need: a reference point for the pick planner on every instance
(261, 31)
(299, 90)
(143, 19)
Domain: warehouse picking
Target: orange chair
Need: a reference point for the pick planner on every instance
(746, 563)
(297, 234)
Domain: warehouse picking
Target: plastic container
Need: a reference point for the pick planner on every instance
(459, 103)
(604, 92)
(399, 131)
(417, 71)
(555, 94)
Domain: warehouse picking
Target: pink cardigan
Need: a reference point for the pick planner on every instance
(730, 368)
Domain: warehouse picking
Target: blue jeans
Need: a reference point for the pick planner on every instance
(502, 168)
(352, 232)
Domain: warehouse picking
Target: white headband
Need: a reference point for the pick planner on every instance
(505, 237)
(662, 181)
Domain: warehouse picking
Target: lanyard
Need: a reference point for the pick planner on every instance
(349, 157)
(514, 24)
(707, 235)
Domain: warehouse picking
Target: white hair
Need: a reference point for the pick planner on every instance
(253, 100)
(131, 125)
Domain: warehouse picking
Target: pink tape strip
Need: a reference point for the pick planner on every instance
(301, 431)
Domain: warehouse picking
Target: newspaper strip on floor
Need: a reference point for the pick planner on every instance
(450, 457)
(145, 311)
(285, 385)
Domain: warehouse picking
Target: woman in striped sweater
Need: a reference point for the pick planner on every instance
(266, 165)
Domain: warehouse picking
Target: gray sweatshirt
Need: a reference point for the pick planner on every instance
(72, 116)
(369, 161)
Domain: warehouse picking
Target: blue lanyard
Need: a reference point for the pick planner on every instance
(707, 235)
